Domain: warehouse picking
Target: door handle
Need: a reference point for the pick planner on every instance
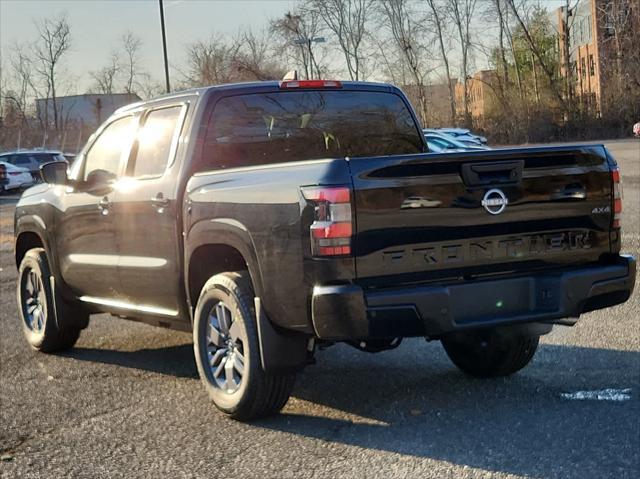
(159, 202)
(104, 204)
(478, 174)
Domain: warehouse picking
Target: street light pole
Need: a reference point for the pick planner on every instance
(164, 47)
(310, 58)
(308, 41)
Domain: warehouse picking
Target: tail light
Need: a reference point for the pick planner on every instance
(332, 228)
(15, 173)
(617, 197)
(293, 84)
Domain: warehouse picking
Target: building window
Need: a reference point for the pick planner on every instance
(592, 66)
(583, 67)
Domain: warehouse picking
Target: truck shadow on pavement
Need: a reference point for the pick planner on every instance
(412, 401)
(171, 361)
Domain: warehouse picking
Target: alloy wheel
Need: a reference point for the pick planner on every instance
(34, 300)
(225, 348)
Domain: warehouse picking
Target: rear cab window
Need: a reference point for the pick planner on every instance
(285, 126)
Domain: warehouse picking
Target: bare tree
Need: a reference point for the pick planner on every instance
(538, 54)
(18, 88)
(257, 59)
(399, 19)
(131, 45)
(617, 20)
(104, 79)
(385, 59)
(436, 9)
(462, 12)
(210, 61)
(148, 87)
(500, 10)
(298, 29)
(347, 20)
(54, 40)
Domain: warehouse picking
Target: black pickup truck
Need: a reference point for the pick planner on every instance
(268, 218)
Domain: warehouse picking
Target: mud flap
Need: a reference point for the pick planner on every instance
(279, 352)
(78, 320)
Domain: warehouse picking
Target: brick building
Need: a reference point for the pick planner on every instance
(591, 30)
(438, 105)
(481, 94)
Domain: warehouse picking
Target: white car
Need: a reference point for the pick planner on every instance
(636, 129)
(31, 159)
(462, 134)
(14, 177)
(444, 142)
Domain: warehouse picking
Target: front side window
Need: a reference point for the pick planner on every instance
(290, 126)
(106, 153)
(154, 142)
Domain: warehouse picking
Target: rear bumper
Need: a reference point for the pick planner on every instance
(348, 312)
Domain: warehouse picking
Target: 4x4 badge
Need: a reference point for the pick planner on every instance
(495, 201)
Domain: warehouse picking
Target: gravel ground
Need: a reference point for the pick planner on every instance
(126, 402)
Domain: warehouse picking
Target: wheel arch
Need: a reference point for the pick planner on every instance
(30, 232)
(217, 246)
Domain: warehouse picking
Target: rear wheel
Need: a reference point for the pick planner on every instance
(227, 351)
(49, 323)
(490, 353)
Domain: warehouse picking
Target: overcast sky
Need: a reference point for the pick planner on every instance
(96, 26)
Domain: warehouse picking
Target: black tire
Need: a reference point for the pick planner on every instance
(256, 394)
(49, 323)
(490, 353)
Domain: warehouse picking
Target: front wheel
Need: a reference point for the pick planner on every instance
(490, 353)
(227, 351)
(49, 323)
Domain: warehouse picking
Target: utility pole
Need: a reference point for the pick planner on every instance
(164, 47)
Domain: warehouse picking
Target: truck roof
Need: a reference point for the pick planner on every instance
(251, 87)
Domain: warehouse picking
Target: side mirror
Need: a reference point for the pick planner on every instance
(55, 172)
(99, 181)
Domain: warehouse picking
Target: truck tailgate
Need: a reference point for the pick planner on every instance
(432, 217)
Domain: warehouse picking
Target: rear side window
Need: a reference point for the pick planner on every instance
(155, 139)
(47, 157)
(20, 160)
(281, 127)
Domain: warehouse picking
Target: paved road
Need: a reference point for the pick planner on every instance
(127, 403)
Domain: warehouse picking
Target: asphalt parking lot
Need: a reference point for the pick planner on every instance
(127, 402)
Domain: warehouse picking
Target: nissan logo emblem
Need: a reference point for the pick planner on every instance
(495, 201)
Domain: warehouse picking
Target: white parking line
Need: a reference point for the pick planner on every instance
(599, 395)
